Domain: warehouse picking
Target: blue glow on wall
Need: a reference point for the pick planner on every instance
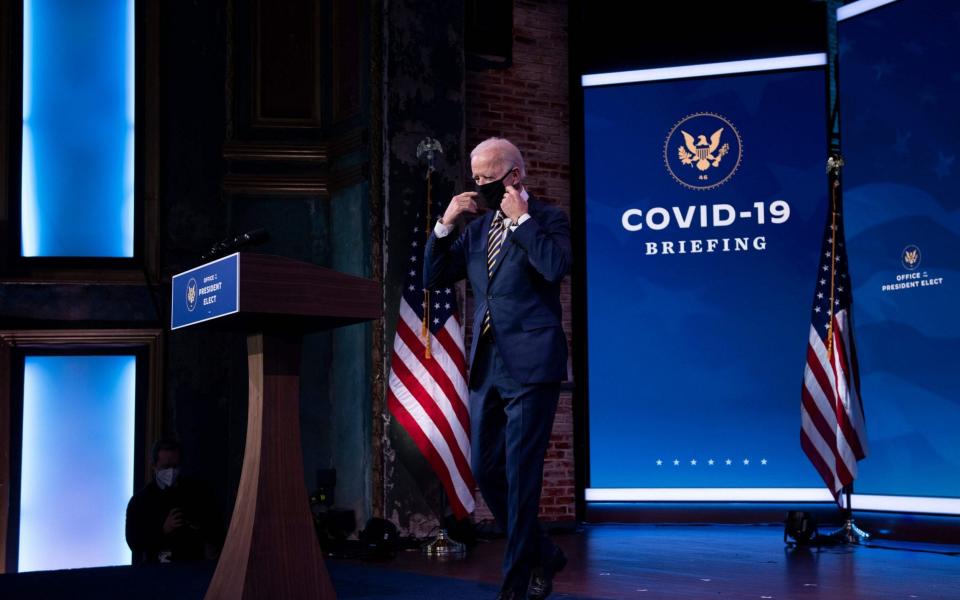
(77, 461)
(77, 165)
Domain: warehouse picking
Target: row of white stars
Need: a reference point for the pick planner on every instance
(710, 462)
(824, 281)
(412, 287)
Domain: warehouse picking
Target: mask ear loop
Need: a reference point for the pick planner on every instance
(517, 182)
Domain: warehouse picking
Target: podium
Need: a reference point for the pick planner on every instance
(271, 549)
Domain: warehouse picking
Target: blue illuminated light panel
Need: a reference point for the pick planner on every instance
(77, 461)
(77, 167)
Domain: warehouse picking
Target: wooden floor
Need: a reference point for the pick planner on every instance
(606, 561)
(719, 561)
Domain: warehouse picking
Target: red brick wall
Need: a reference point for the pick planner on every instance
(529, 105)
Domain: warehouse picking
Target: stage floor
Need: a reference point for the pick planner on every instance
(720, 561)
(606, 561)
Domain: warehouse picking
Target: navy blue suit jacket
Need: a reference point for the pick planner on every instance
(523, 293)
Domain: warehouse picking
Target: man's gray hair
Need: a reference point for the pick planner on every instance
(507, 154)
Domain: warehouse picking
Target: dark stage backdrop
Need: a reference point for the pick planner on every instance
(701, 254)
(899, 93)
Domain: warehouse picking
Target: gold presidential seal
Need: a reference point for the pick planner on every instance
(702, 151)
(910, 257)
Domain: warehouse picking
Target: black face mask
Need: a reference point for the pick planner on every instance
(492, 193)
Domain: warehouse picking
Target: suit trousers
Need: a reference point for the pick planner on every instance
(510, 430)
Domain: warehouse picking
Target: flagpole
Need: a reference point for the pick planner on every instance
(849, 533)
(835, 175)
(425, 328)
(442, 546)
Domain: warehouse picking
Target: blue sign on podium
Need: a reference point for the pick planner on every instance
(206, 292)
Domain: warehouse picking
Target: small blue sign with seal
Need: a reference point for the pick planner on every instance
(206, 292)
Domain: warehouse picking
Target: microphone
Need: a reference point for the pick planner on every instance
(228, 245)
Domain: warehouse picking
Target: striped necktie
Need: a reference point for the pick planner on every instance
(494, 243)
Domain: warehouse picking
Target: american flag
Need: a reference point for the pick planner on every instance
(428, 385)
(832, 431)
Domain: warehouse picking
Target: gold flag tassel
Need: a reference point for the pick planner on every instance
(425, 330)
(834, 163)
(833, 264)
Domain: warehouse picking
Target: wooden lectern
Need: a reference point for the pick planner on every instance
(271, 550)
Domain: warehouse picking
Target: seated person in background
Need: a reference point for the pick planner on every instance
(172, 519)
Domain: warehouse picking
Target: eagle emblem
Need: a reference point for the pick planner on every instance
(910, 257)
(191, 294)
(701, 153)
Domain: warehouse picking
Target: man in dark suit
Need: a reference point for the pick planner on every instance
(172, 519)
(515, 256)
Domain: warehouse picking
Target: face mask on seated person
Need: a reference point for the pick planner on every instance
(167, 477)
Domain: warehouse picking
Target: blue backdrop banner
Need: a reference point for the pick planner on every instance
(899, 93)
(705, 205)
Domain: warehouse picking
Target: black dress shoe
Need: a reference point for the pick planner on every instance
(541, 580)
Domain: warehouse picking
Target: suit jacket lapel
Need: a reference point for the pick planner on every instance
(508, 240)
(485, 229)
